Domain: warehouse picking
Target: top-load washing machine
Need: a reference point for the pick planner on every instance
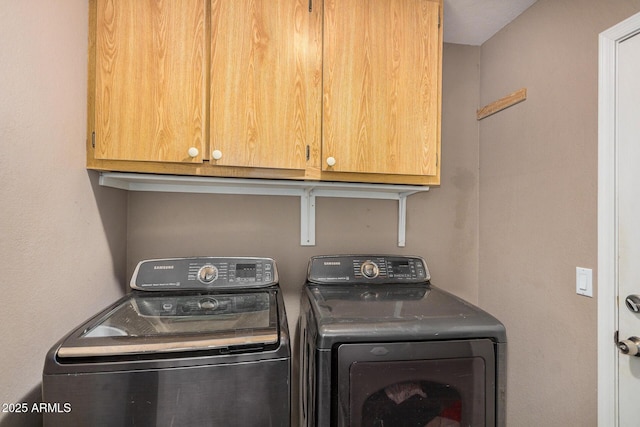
(382, 347)
(198, 342)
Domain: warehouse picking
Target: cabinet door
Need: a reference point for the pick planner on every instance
(265, 83)
(382, 69)
(150, 80)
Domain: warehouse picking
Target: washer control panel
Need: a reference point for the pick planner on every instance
(202, 273)
(383, 269)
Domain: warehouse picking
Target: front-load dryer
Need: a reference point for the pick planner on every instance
(197, 342)
(381, 346)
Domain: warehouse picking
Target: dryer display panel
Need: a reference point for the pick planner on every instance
(367, 269)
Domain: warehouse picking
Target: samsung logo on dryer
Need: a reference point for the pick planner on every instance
(163, 267)
(332, 263)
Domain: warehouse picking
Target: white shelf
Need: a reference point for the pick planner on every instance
(306, 190)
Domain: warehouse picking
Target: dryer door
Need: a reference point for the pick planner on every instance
(449, 383)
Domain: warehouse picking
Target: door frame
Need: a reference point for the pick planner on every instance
(609, 41)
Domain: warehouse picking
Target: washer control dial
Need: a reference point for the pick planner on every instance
(370, 269)
(208, 274)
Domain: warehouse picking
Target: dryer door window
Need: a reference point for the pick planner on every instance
(417, 393)
(416, 384)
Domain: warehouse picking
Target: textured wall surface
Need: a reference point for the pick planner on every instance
(538, 204)
(62, 238)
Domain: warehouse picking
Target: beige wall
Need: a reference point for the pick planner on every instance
(62, 239)
(441, 224)
(516, 212)
(538, 195)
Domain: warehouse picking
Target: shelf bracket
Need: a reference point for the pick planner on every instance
(308, 191)
(402, 220)
(307, 218)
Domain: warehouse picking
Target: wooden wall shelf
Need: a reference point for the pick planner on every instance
(502, 103)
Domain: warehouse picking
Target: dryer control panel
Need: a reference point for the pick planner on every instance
(383, 269)
(204, 273)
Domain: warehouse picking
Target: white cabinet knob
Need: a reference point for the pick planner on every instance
(193, 152)
(217, 154)
(331, 161)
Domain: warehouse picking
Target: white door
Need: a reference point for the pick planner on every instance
(629, 227)
(619, 226)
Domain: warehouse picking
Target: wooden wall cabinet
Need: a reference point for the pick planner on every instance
(345, 90)
(265, 83)
(149, 69)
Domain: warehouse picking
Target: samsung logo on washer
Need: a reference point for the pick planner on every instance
(163, 267)
(331, 263)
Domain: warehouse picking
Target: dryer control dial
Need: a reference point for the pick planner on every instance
(370, 269)
(208, 274)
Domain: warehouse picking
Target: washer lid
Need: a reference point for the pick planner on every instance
(169, 322)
